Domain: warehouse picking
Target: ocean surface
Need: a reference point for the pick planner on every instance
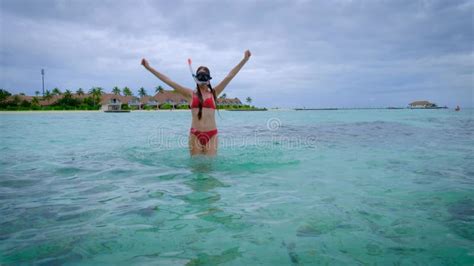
(346, 187)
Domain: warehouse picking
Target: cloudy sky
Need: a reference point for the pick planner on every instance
(337, 53)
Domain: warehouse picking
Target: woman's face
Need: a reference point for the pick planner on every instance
(202, 74)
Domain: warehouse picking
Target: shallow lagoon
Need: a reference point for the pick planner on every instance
(287, 188)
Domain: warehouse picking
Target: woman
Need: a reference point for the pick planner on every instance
(203, 133)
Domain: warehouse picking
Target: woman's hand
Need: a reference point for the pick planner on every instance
(220, 87)
(145, 63)
(247, 55)
(188, 93)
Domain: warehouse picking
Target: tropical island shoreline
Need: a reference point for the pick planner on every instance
(133, 111)
(117, 101)
(96, 100)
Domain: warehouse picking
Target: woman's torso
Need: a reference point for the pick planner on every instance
(207, 121)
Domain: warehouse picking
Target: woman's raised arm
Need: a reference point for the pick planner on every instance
(220, 87)
(178, 88)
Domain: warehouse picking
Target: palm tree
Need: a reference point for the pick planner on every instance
(37, 93)
(56, 91)
(35, 101)
(127, 91)
(4, 94)
(159, 89)
(142, 92)
(248, 100)
(92, 93)
(16, 99)
(116, 90)
(47, 95)
(223, 96)
(67, 94)
(80, 91)
(96, 93)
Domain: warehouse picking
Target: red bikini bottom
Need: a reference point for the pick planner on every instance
(203, 136)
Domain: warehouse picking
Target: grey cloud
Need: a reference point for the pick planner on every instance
(324, 53)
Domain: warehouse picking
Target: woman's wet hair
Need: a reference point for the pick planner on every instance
(199, 91)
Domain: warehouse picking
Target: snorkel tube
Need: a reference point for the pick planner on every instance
(194, 75)
(191, 70)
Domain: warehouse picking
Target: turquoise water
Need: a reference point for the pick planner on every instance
(287, 188)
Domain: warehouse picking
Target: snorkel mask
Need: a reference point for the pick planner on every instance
(202, 78)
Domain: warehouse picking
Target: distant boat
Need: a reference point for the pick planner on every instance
(457, 109)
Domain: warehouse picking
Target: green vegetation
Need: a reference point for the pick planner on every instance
(116, 90)
(65, 102)
(159, 89)
(166, 106)
(148, 107)
(96, 93)
(248, 100)
(183, 107)
(127, 91)
(4, 95)
(241, 108)
(142, 92)
(56, 91)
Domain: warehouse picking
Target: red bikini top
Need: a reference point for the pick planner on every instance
(207, 103)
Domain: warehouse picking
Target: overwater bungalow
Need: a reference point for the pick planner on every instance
(111, 104)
